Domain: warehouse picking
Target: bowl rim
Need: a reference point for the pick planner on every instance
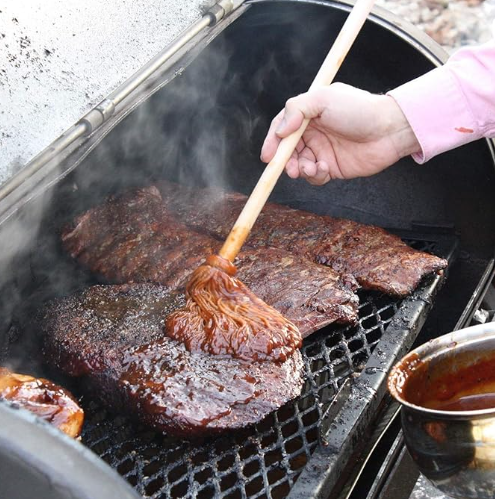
(434, 348)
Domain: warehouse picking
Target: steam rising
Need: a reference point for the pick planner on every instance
(204, 128)
(212, 118)
(191, 141)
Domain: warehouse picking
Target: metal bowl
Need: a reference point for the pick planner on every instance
(454, 449)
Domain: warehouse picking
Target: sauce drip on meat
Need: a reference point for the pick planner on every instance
(44, 398)
(191, 394)
(223, 317)
(171, 380)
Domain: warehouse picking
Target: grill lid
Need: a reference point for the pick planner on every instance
(68, 72)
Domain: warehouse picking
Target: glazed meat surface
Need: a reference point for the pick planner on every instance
(305, 293)
(113, 336)
(47, 400)
(190, 394)
(377, 259)
(134, 238)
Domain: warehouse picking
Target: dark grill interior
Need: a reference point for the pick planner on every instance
(266, 460)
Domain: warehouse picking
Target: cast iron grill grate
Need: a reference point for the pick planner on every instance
(265, 460)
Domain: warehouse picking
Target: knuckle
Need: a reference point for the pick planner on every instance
(292, 103)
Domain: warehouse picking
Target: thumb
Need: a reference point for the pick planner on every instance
(307, 105)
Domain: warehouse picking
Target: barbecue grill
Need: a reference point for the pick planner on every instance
(233, 77)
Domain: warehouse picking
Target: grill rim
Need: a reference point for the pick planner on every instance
(53, 459)
(329, 459)
(491, 148)
(441, 241)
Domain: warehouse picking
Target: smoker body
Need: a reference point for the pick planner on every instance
(202, 122)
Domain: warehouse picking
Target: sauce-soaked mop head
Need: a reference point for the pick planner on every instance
(223, 317)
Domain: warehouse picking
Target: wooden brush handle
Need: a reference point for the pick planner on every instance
(273, 170)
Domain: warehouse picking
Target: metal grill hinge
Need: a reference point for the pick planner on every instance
(220, 10)
(98, 115)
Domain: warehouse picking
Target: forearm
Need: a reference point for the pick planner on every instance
(452, 105)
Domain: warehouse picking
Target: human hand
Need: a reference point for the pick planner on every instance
(352, 133)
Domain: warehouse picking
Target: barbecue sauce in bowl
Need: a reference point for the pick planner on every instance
(452, 384)
(474, 402)
(447, 391)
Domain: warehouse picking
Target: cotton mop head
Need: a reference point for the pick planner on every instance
(223, 317)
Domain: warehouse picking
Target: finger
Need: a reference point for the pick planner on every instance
(322, 181)
(316, 173)
(307, 168)
(272, 141)
(308, 105)
(292, 168)
(322, 175)
(307, 163)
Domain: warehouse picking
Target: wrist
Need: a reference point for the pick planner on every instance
(398, 129)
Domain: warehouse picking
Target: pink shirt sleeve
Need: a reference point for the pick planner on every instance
(451, 105)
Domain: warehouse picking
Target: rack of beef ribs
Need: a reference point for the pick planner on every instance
(377, 259)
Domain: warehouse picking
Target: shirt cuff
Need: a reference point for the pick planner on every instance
(438, 112)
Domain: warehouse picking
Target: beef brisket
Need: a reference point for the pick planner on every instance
(190, 394)
(377, 259)
(80, 329)
(113, 336)
(134, 238)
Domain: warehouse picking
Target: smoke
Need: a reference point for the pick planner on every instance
(204, 128)
(207, 125)
(189, 130)
(182, 131)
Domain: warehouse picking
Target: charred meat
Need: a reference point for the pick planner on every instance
(133, 238)
(47, 400)
(190, 394)
(80, 329)
(306, 293)
(113, 337)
